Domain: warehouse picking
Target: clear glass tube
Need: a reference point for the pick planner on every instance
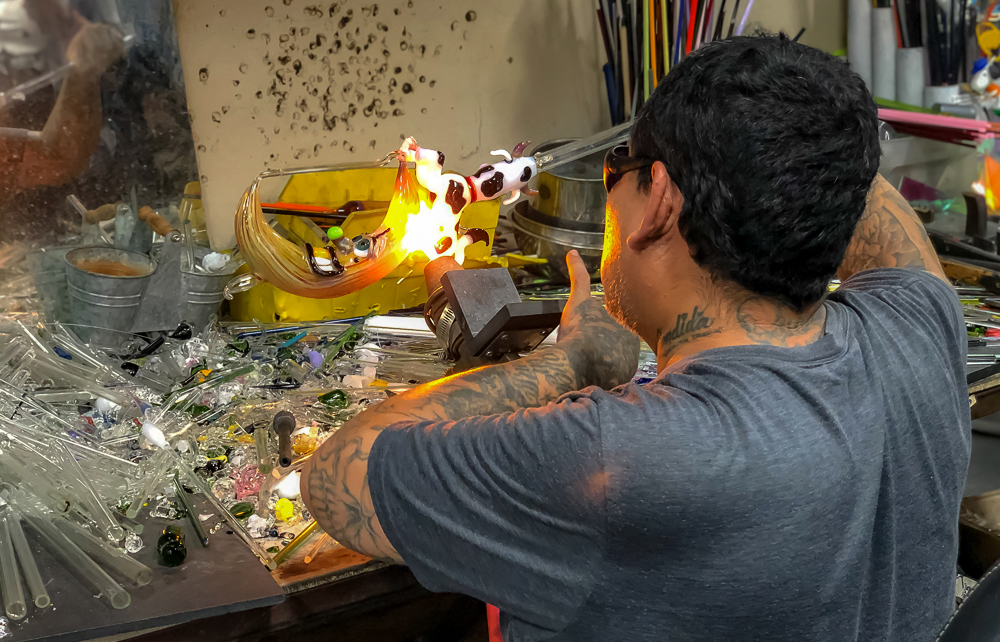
(69, 340)
(46, 351)
(52, 491)
(130, 524)
(22, 360)
(99, 510)
(223, 512)
(181, 398)
(134, 571)
(43, 488)
(549, 160)
(46, 368)
(264, 461)
(158, 465)
(129, 467)
(182, 495)
(13, 593)
(11, 349)
(18, 379)
(19, 397)
(20, 92)
(78, 562)
(39, 595)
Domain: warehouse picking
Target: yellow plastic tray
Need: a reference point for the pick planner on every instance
(403, 288)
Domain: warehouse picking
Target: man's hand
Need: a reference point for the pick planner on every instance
(603, 353)
(95, 47)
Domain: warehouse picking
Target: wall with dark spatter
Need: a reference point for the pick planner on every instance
(287, 83)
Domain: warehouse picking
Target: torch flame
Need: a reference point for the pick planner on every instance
(431, 231)
(431, 225)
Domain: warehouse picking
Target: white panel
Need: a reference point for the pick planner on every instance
(284, 83)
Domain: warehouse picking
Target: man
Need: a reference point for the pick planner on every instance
(795, 471)
(69, 133)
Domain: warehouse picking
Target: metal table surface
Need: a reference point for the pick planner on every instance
(223, 578)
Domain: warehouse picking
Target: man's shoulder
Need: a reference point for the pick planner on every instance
(887, 279)
(905, 299)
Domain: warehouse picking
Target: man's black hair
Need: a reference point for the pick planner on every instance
(774, 146)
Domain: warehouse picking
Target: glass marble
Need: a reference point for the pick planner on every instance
(170, 548)
(133, 543)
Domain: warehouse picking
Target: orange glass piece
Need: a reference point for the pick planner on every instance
(285, 265)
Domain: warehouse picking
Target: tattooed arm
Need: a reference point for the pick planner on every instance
(889, 234)
(593, 350)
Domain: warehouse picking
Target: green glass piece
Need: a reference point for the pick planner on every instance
(335, 233)
(242, 509)
(334, 398)
(197, 409)
(170, 549)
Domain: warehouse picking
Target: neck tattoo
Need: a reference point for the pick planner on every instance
(688, 324)
(687, 327)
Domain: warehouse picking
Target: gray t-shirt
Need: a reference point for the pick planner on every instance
(747, 493)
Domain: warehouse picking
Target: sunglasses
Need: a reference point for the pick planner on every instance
(617, 163)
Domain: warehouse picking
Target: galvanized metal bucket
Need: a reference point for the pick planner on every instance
(48, 271)
(102, 300)
(203, 296)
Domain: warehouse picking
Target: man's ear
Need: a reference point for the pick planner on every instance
(662, 209)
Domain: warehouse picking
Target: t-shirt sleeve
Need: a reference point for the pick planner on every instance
(506, 508)
(920, 299)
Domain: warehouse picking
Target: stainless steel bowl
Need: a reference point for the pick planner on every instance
(552, 243)
(573, 192)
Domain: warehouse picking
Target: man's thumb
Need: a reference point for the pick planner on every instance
(579, 277)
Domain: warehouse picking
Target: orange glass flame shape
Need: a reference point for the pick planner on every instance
(285, 265)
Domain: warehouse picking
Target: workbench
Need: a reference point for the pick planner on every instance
(224, 593)
(222, 579)
(340, 595)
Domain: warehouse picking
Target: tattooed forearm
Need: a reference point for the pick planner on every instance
(889, 234)
(336, 489)
(592, 350)
(531, 382)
